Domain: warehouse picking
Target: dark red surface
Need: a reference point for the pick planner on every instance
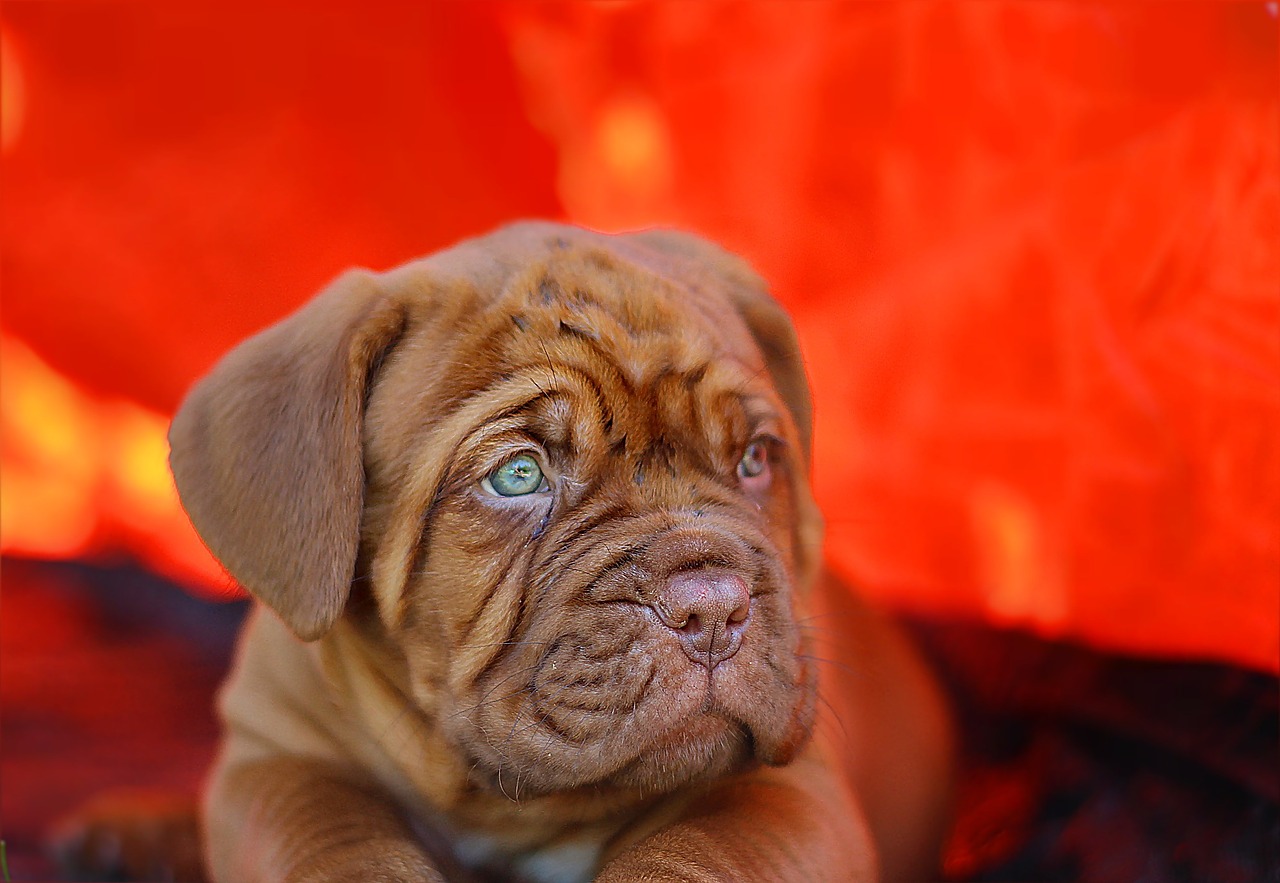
(1076, 766)
(1092, 768)
(106, 682)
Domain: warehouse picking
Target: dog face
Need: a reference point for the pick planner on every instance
(572, 469)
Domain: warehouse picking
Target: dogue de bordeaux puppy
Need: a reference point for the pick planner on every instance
(540, 584)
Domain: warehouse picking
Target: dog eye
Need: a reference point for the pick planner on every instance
(755, 460)
(516, 477)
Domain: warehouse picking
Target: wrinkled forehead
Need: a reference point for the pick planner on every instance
(660, 359)
(501, 300)
(545, 268)
(562, 318)
(642, 323)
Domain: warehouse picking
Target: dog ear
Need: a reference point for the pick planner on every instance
(266, 451)
(771, 327)
(768, 322)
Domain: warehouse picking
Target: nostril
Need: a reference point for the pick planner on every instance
(709, 609)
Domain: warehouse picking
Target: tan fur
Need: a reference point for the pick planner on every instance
(450, 683)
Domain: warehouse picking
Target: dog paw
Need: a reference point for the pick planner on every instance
(130, 836)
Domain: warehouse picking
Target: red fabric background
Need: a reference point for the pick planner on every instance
(1031, 248)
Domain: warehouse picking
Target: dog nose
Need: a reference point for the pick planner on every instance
(708, 610)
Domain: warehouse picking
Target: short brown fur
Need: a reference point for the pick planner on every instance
(455, 683)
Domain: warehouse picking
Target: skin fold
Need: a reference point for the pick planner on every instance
(638, 671)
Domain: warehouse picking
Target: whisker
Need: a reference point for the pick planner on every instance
(395, 722)
(843, 614)
(486, 703)
(484, 700)
(843, 730)
(508, 644)
(835, 662)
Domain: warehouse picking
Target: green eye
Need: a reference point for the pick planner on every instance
(516, 477)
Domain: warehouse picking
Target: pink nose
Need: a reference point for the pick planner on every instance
(708, 611)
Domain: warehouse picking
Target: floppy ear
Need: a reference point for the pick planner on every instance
(768, 322)
(266, 451)
(697, 259)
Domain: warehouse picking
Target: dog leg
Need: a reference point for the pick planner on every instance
(295, 820)
(791, 824)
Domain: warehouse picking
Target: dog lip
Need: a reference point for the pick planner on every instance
(698, 741)
(692, 728)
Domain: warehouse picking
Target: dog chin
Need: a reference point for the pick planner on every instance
(691, 750)
(697, 736)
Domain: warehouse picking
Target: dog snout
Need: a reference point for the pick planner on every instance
(708, 609)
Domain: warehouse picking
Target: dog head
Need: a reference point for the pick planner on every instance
(571, 471)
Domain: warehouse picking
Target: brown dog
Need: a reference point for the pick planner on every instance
(532, 522)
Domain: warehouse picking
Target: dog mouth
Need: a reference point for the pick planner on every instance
(690, 748)
(644, 721)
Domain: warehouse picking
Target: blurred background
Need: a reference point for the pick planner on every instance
(1032, 250)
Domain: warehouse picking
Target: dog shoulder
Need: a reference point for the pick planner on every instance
(275, 698)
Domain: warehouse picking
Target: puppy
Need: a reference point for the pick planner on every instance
(540, 584)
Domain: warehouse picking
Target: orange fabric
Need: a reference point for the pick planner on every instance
(1031, 247)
